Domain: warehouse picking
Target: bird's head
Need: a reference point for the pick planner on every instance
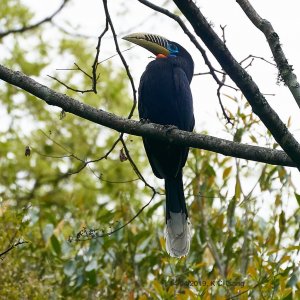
(156, 44)
(162, 48)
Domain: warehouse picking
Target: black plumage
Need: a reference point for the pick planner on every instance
(165, 98)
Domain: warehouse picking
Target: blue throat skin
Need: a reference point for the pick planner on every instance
(172, 49)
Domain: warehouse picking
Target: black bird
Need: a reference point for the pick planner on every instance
(165, 98)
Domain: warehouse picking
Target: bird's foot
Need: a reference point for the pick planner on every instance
(169, 128)
(145, 121)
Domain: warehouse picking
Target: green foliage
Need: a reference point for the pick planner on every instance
(244, 238)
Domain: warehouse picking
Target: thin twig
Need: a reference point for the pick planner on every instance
(122, 58)
(114, 55)
(93, 233)
(19, 242)
(135, 168)
(35, 25)
(84, 72)
(73, 34)
(262, 281)
(222, 84)
(95, 64)
(257, 57)
(221, 103)
(208, 73)
(223, 33)
(193, 39)
(69, 87)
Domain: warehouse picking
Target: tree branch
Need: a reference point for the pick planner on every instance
(193, 39)
(242, 79)
(35, 25)
(14, 245)
(89, 234)
(285, 70)
(124, 125)
(107, 14)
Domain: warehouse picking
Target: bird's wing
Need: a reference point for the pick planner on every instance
(166, 99)
(149, 146)
(184, 99)
(143, 113)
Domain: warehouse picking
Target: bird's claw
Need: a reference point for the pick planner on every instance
(145, 121)
(169, 128)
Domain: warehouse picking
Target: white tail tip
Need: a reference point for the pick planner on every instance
(178, 235)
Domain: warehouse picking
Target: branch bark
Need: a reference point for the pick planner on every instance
(175, 136)
(242, 79)
(285, 69)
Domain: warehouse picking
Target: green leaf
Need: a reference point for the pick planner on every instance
(48, 231)
(92, 277)
(293, 280)
(70, 268)
(238, 135)
(238, 188)
(282, 221)
(297, 198)
(55, 244)
(288, 294)
(93, 265)
(271, 236)
(153, 208)
(226, 172)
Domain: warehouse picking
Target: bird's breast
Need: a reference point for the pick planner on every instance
(158, 95)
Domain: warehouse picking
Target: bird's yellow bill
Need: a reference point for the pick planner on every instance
(152, 42)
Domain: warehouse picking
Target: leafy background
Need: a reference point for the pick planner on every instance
(245, 232)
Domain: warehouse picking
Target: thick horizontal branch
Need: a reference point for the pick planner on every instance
(242, 79)
(285, 69)
(176, 136)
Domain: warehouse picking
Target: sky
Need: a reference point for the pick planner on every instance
(242, 37)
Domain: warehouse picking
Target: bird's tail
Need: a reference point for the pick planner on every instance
(177, 231)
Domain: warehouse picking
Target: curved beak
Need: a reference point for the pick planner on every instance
(152, 42)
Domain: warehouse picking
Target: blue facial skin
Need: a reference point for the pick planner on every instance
(172, 49)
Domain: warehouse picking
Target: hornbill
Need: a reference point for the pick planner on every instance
(165, 98)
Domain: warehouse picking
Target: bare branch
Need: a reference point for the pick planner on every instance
(135, 168)
(257, 57)
(220, 100)
(242, 79)
(285, 69)
(100, 62)
(175, 136)
(223, 83)
(14, 245)
(212, 70)
(35, 25)
(88, 234)
(72, 34)
(96, 63)
(122, 58)
(69, 87)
